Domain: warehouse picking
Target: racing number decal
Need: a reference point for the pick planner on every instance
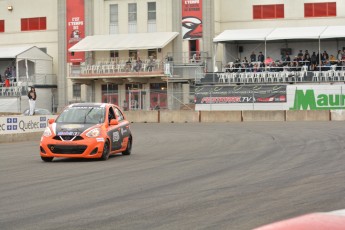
(117, 134)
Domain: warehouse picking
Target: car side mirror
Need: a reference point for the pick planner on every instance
(114, 122)
(51, 121)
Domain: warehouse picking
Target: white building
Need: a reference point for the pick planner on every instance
(102, 75)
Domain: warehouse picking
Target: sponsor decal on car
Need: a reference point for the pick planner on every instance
(116, 136)
(100, 139)
(68, 133)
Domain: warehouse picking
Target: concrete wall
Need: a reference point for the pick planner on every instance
(142, 116)
(337, 115)
(263, 115)
(178, 116)
(220, 116)
(308, 115)
(183, 116)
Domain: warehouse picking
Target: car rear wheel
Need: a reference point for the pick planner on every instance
(47, 159)
(129, 147)
(105, 154)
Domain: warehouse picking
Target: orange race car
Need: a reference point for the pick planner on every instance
(87, 130)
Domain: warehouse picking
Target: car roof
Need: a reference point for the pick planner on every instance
(90, 105)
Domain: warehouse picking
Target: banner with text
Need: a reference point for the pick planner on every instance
(240, 94)
(24, 124)
(75, 28)
(191, 19)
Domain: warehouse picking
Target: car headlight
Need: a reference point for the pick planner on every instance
(47, 132)
(93, 132)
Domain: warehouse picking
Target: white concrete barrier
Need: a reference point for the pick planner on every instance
(142, 116)
(263, 115)
(220, 116)
(307, 115)
(179, 116)
(338, 115)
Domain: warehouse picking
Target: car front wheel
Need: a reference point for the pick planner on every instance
(105, 154)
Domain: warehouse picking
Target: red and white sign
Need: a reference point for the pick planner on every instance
(191, 19)
(75, 28)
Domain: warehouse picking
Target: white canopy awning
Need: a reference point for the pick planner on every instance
(288, 33)
(23, 52)
(333, 32)
(133, 41)
(296, 33)
(243, 35)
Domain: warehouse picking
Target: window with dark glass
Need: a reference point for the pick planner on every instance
(132, 12)
(28, 24)
(320, 9)
(268, 11)
(76, 90)
(133, 54)
(110, 93)
(151, 11)
(114, 53)
(114, 19)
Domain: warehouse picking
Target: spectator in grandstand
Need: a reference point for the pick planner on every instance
(128, 65)
(268, 61)
(250, 67)
(327, 65)
(300, 54)
(150, 64)
(256, 68)
(287, 59)
(313, 61)
(253, 57)
(307, 60)
(261, 57)
(138, 65)
(339, 55)
(324, 56)
(8, 73)
(306, 53)
(294, 64)
(333, 60)
(245, 63)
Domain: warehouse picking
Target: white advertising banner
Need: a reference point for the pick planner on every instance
(270, 97)
(23, 124)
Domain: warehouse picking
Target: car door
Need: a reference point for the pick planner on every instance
(117, 133)
(114, 131)
(123, 125)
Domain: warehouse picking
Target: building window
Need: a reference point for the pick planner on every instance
(110, 94)
(151, 17)
(76, 90)
(320, 9)
(114, 53)
(133, 54)
(152, 53)
(132, 17)
(2, 26)
(28, 24)
(268, 11)
(158, 96)
(114, 19)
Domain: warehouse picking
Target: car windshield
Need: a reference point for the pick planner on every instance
(87, 115)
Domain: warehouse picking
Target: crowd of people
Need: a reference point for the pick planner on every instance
(312, 62)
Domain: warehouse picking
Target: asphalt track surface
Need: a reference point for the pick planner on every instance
(180, 176)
